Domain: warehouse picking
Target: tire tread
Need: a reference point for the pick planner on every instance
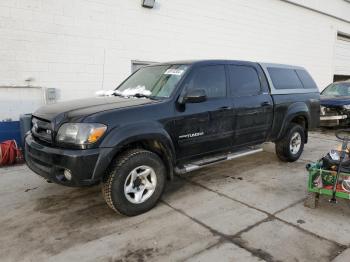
(113, 171)
(282, 146)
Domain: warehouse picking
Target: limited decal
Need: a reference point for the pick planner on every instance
(173, 71)
(191, 135)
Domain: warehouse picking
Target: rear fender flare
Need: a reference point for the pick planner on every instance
(294, 110)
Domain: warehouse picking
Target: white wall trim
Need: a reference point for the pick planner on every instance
(318, 11)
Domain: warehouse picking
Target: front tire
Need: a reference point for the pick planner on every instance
(135, 182)
(290, 147)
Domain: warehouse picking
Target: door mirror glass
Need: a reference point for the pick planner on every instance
(195, 96)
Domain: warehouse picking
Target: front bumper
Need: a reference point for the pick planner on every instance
(327, 118)
(87, 166)
(332, 120)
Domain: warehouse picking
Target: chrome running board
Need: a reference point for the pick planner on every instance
(217, 159)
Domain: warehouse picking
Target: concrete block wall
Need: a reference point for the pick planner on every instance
(19, 100)
(81, 46)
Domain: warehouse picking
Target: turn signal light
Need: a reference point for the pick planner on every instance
(96, 134)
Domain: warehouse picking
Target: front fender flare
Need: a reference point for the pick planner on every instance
(121, 136)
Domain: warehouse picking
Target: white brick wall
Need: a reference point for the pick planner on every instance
(16, 100)
(70, 44)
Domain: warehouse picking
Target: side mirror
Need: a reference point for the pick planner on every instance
(195, 96)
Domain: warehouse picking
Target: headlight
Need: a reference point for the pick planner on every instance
(323, 110)
(347, 107)
(80, 133)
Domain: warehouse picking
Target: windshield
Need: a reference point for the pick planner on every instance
(153, 81)
(337, 89)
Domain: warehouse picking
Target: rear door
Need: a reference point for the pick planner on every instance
(206, 127)
(252, 103)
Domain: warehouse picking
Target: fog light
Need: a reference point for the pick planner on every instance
(67, 174)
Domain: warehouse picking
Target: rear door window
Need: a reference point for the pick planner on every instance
(244, 80)
(284, 78)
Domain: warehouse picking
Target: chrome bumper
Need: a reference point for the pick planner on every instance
(327, 118)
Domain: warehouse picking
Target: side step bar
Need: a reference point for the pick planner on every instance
(217, 159)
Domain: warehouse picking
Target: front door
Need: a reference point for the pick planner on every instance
(252, 103)
(206, 127)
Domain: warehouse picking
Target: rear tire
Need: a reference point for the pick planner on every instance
(135, 182)
(290, 147)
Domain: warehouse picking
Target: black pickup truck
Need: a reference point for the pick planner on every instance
(171, 118)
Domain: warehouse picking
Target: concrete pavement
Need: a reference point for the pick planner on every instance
(248, 209)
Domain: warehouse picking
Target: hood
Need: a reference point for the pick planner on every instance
(88, 106)
(334, 101)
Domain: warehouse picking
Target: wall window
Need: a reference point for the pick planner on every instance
(244, 80)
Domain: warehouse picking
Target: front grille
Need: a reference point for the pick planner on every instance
(38, 164)
(329, 111)
(42, 130)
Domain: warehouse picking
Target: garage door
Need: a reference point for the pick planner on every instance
(342, 57)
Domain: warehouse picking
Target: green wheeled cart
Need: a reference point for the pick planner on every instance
(334, 182)
(328, 179)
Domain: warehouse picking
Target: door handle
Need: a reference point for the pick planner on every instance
(265, 104)
(225, 108)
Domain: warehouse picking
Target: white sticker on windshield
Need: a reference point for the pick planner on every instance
(173, 71)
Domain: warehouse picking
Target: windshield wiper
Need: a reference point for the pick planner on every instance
(116, 94)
